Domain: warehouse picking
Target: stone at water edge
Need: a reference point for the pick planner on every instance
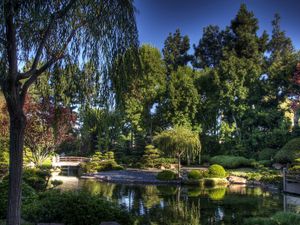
(237, 180)
(277, 166)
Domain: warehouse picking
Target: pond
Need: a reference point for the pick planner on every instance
(184, 205)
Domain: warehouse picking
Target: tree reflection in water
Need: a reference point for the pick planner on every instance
(175, 205)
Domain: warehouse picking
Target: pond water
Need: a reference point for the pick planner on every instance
(183, 205)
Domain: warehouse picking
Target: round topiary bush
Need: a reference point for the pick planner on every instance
(289, 152)
(166, 175)
(216, 171)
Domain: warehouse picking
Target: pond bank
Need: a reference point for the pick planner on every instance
(140, 176)
(130, 176)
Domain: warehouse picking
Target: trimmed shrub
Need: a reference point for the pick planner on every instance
(74, 208)
(289, 152)
(232, 162)
(266, 154)
(166, 175)
(216, 171)
(150, 156)
(97, 166)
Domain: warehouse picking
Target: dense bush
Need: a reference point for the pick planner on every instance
(166, 175)
(37, 178)
(216, 171)
(74, 208)
(282, 218)
(197, 174)
(28, 195)
(289, 152)
(232, 162)
(101, 162)
(267, 154)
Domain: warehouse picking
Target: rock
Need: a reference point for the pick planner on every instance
(237, 180)
(109, 223)
(162, 168)
(277, 166)
(206, 164)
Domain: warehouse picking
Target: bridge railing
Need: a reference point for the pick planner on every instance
(72, 159)
(291, 180)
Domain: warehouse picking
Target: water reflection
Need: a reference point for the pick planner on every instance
(165, 205)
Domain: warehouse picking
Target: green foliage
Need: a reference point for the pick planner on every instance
(197, 174)
(37, 178)
(289, 152)
(176, 50)
(28, 195)
(217, 194)
(194, 174)
(213, 182)
(267, 154)
(150, 156)
(231, 162)
(216, 171)
(4, 156)
(282, 218)
(74, 208)
(166, 175)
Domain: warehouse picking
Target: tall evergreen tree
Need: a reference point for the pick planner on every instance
(175, 50)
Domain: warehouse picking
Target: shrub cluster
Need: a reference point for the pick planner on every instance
(267, 154)
(74, 208)
(289, 152)
(101, 162)
(216, 171)
(166, 175)
(197, 174)
(232, 162)
(37, 178)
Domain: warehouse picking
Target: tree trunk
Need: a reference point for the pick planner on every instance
(17, 127)
(179, 167)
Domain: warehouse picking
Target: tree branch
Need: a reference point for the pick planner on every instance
(58, 15)
(47, 65)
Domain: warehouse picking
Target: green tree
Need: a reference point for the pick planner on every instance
(56, 32)
(179, 141)
(181, 105)
(175, 50)
(208, 52)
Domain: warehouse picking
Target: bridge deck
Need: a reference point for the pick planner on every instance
(68, 161)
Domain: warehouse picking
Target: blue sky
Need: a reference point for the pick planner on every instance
(157, 18)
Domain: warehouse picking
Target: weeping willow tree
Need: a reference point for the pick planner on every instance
(56, 33)
(178, 142)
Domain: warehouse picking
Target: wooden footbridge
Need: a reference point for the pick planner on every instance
(68, 161)
(291, 181)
